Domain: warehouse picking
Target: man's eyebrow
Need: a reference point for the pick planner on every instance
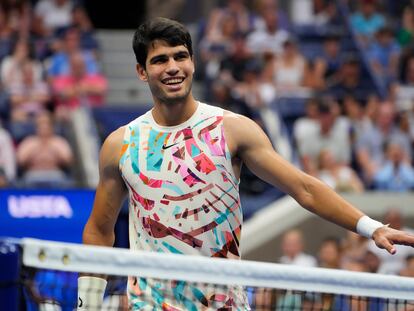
(158, 57)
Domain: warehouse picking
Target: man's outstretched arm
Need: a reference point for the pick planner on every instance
(256, 151)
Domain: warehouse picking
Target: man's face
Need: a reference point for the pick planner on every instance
(169, 72)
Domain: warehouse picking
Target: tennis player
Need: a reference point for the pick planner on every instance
(179, 165)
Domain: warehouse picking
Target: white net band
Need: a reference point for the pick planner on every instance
(121, 262)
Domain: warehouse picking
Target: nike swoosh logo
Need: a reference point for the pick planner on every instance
(164, 147)
(80, 303)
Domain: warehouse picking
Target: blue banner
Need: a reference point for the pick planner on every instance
(45, 214)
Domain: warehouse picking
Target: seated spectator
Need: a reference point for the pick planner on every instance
(263, 6)
(330, 133)
(12, 65)
(19, 16)
(314, 12)
(44, 157)
(293, 250)
(369, 147)
(78, 88)
(7, 159)
(349, 81)
(52, 15)
(270, 39)
(357, 116)
(354, 248)
(342, 178)
(329, 253)
(396, 173)
(216, 46)
(392, 264)
(406, 31)
(59, 63)
(237, 9)
(367, 20)
(290, 67)
(28, 98)
(7, 34)
(81, 21)
(383, 54)
(307, 123)
(330, 60)
(408, 270)
(404, 90)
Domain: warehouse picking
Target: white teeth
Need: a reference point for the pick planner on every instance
(174, 81)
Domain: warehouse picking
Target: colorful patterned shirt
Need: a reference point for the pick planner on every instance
(184, 199)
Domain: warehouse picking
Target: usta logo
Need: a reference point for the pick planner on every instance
(39, 206)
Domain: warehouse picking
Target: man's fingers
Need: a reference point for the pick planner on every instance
(385, 243)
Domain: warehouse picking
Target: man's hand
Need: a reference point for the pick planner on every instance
(385, 237)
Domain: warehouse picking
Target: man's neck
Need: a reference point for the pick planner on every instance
(171, 114)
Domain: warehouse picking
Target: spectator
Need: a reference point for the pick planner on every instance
(7, 35)
(28, 98)
(307, 123)
(12, 65)
(369, 147)
(235, 8)
(217, 45)
(45, 156)
(78, 88)
(19, 13)
(354, 248)
(406, 31)
(7, 159)
(392, 264)
(384, 53)
(81, 21)
(270, 39)
(358, 119)
(397, 173)
(371, 261)
(330, 59)
(404, 91)
(367, 20)
(331, 133)
(329, 253)
(263, 6)
(408, 270)
(52, 15)
(292, 248)
(290, 67)
(349, 81)
(60, 62)
(342, 178)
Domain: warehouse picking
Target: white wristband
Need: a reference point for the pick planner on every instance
(90, 292)
(366, 226)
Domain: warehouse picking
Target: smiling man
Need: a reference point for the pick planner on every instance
(179, 164)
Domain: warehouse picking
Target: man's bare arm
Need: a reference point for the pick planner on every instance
(110, 194)
(256, 151)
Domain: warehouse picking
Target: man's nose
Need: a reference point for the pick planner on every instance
(172, 67)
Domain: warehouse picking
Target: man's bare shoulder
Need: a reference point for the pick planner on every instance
(112, 146)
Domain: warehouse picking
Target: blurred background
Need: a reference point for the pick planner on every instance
(330, 82)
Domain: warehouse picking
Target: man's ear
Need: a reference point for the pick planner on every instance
(141, 72)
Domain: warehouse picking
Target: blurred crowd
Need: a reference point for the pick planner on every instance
(330, 83)
(49, 66)
(353, 253)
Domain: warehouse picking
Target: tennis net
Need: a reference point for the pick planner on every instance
(159, 281)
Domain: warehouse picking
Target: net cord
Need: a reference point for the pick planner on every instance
(124, 262)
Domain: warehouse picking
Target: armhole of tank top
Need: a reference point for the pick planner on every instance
(222, 112)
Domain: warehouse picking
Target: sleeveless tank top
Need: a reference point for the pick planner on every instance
(183, 199)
